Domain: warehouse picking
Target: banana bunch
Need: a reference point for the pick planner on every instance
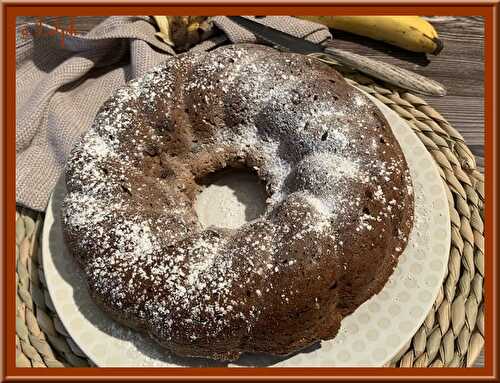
(408, 32)
(182, 32)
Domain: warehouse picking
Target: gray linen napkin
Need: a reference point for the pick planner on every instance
(60, 87)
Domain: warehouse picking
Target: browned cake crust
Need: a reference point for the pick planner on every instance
(339, 211)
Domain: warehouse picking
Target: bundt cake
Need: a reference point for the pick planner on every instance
(338, 213)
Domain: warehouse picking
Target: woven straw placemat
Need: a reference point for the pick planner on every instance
(452, 334)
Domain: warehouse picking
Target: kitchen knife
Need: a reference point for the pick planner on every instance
(387, 72)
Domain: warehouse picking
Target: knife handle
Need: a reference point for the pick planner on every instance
(387, 72)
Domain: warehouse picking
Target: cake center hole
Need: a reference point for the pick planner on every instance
(230, 198)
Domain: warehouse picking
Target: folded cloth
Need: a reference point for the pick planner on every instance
(60, 84)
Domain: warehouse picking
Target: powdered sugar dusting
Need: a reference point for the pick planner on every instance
(303, 134)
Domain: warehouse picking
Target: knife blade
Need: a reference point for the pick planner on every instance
(389, 73)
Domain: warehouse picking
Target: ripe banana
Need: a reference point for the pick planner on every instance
(182, 32)
(409, 32)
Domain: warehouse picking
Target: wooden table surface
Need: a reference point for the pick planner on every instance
(459, 67)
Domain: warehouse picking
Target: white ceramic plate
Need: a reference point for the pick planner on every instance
(371, 336)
